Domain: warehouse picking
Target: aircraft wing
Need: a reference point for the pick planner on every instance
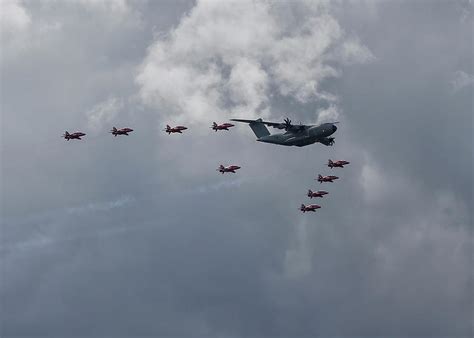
(285, 125)
(271, 124)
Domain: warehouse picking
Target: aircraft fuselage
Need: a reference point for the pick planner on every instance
(301, 138)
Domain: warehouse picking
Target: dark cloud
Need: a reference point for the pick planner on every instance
(140, 236)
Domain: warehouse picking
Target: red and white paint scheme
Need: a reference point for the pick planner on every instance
(229, 169)
(337, 164)
(177, 129)
(224, 126)
(77, 135)
(309, 207)
(322, 179)
(319, 193)
(122, 131)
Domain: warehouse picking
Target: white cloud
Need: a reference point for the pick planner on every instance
(227, 57)
(101, 206)
(353, 52)
(378, 185)
(461, 79)
(114, 6)
(330, 114)
(14, 23)
(247, 85)
(27, 27)
(13, 17)
(103, 113)
(374, 183)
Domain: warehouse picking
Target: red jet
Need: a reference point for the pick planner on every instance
(338, 164)
(322, 179)
(224, 126)
(122, 131)
(319, 193)
(309, 207)
(77, 135)
(177, 129)
(229, 169)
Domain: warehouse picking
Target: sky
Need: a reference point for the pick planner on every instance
(140, 236)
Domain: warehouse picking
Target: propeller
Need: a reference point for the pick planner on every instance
(285, 125)
(288, 126)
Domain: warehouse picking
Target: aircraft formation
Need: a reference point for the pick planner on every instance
(293, 135)
(321, 179)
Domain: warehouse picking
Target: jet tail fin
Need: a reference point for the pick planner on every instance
(259, 128)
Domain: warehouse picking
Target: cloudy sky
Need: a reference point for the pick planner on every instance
(139, 236)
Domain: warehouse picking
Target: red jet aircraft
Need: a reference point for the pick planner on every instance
(77, 135)
(319, 193)
(309, 207)
(177, 129)
(322, 179)
(229, 169)
(122, 131)
(224, 126)
(339, 164)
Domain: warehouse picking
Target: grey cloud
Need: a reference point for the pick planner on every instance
(196, 253)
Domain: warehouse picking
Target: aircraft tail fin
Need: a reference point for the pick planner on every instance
(259, 128)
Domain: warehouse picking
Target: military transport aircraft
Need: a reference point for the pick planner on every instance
(319, 193)
(309, 207)
(77, 135)
(224, 126)
(322, 179)
(295, 135)
(122, 131)
(177, 129)
(338, 164)
(229, 169)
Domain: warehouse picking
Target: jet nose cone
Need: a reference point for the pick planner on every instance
(334, 128)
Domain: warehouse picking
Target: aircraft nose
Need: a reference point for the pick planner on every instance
(334, 128)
